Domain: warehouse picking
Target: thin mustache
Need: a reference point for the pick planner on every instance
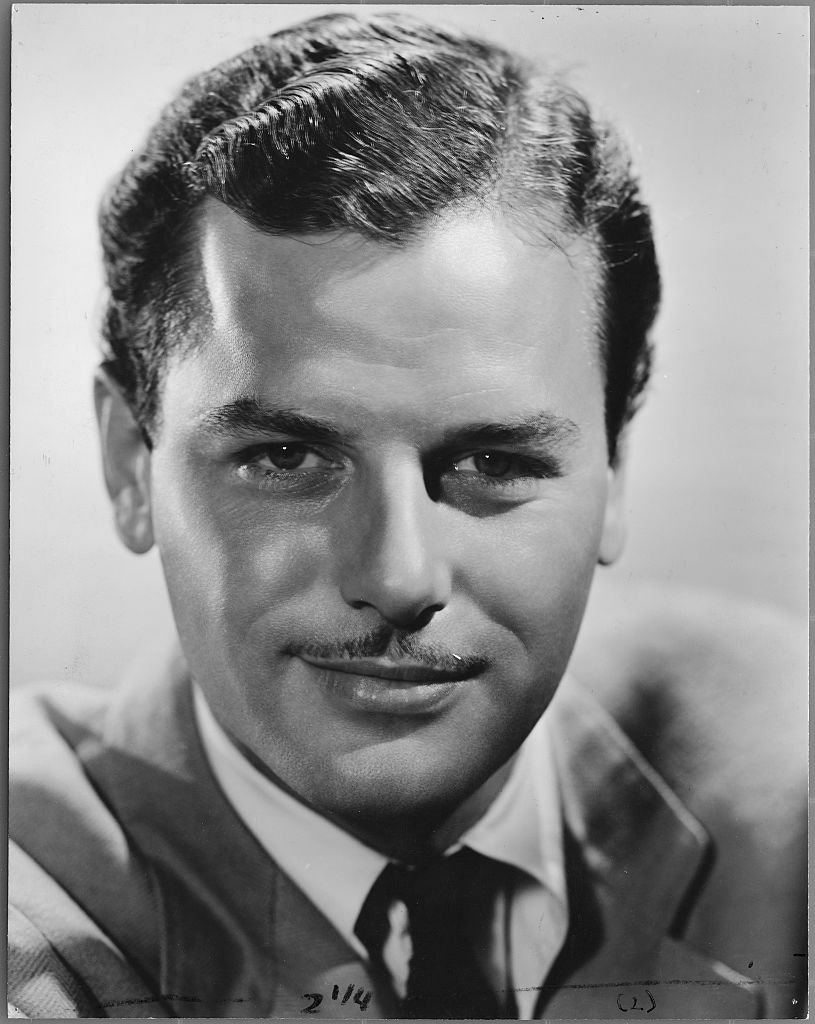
(387, 642)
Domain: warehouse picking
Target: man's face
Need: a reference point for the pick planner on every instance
(378, 490)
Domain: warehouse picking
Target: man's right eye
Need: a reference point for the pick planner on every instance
(284, 461)
(290, 456)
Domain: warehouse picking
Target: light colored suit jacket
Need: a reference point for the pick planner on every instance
(137, 891)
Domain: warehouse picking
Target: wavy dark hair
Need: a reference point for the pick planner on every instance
(375, 125)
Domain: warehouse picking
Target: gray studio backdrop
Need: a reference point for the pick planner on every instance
(715, 102)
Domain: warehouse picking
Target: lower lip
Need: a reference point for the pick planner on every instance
(373, 694)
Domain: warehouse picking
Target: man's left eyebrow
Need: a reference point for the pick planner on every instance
(542, 430)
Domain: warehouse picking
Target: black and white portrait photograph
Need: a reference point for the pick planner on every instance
(409, 512)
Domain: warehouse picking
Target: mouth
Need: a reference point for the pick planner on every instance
(391, 686)
(393, 670)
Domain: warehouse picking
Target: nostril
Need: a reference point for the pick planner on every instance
(424, 617)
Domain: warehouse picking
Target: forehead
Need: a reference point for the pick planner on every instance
(467, 306)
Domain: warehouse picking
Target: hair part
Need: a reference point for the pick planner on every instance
(375, 125)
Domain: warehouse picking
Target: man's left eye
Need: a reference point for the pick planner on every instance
(496, 465)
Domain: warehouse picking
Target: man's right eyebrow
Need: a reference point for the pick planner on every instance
(248, 416)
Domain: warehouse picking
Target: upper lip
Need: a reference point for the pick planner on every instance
(399, 671)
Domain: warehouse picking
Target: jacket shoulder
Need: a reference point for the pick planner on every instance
(55, 812)
(81, 899)
(704, 684)
(60, 963)
(712, 691)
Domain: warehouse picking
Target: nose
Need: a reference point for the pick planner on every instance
(392, 560)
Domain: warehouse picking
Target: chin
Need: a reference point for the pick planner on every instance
(401, 785)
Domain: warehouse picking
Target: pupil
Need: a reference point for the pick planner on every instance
(492, 464)
(288, 456)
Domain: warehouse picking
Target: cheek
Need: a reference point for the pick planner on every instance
(535, 568)
(227, 563)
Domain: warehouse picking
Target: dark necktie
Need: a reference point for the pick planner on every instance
(445, 979)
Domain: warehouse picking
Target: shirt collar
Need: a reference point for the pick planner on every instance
(522, 826)
(336, 871)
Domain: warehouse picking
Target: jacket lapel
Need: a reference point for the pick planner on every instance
(235, 938)
(316, 968)
(632, 853)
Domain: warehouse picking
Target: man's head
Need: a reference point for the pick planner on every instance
(376, 127)
(379, 302)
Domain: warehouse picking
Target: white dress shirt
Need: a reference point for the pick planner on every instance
(522, 828)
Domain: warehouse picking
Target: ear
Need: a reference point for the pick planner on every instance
(612, 540)
(126, 462)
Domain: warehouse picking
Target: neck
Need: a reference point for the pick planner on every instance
(418, 837)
